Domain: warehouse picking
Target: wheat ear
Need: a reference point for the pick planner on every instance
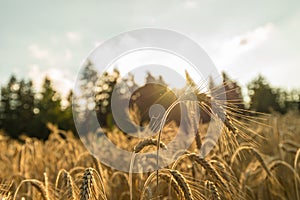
(182, 183)
(89, 185)
(69, 182)
(213, 189)
(206, 165)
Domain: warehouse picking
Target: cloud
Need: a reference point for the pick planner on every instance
(61, 82)
(35, 74)
(42, 54)
(73, 37)
(38, 52)
(55, 40)
(189, 4)
(233, 48)
(68, 55)
(51, 57)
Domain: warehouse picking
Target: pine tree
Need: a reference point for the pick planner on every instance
(49, 108)
(26, 108)
(66, 121)
(84, 99)
(263, 97)
(11, 104)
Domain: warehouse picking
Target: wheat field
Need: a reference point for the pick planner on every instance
(264, 167)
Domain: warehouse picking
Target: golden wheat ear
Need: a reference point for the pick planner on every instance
(68, 188)
(175, 179)
(182, 184)
(213, 189)
(238, 122)
(92, 185)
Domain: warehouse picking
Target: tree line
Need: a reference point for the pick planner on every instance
(24, 110)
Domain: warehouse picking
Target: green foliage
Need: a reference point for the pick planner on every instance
(105, 86)
(66, 121)
(84, 101)
(266, 99)
(17, 105)
(24, 111)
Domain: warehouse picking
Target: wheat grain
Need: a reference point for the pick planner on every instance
(86, 188)
(182, 183)
(94, 159)
(206, 165)
(213, 189)
(69, 183)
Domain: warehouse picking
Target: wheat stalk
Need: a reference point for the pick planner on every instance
(148, 142)
(37, 184)
(256, 154)
(179, 180)
(206, 165)
(46, 184)
(167, 177)
(277, 163)
(296, 172)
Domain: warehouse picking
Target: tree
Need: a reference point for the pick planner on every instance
(17, 105)
(263, 98)
(10, 103)
(26, 108)
(233, 91)
(228, 91)
(48, 105)
(105, 86)
(66, 121)
(84, 98)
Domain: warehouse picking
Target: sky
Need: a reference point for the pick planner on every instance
(243, 38)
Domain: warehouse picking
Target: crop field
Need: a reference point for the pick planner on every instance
(263, 165)
(150, 100)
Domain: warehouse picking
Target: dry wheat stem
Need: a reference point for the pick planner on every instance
(256, 154)
(277, 163)
(148, 142)
(296, 172)
(37, 184)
